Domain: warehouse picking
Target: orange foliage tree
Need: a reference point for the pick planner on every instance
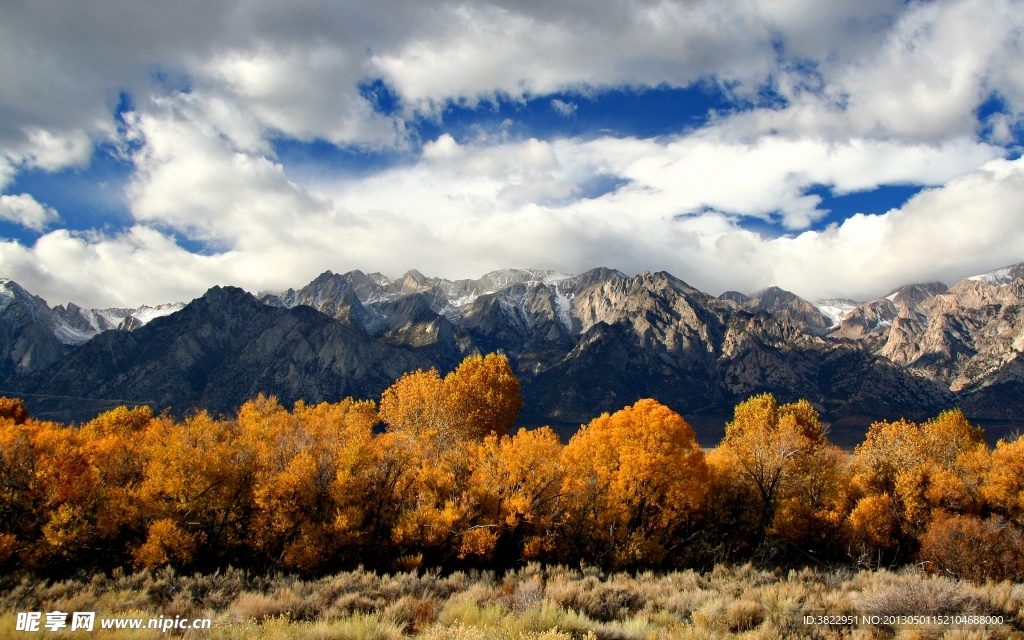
(480, 397)
(969, 547)
(516, 491)
(1003, 487)
(48, 494)
(13, 409)
(433, 426)
(112, 444)
(197, 492)
(780, 455)
(636, 482)
(917, 471)
(314, 489)
(310, 480)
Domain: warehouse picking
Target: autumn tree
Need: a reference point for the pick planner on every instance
(636, 483)
(516, 489)
(781, 455)
(112, 445)
(16, 471)
(13, 409)
(917, 471)
(433, 506)
(972, 548)
(481, 396)
(48, 494)
(309, 486)
(196, 494)
(433, 425)
(1004, 480)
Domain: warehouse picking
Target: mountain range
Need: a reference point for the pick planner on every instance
(581, 344)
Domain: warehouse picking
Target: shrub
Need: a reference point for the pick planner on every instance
(967, 547)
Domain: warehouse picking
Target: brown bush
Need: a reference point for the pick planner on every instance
(967, 547)
(13, 409)
(923, 596)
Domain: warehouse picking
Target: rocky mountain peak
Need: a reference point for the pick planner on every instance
(910, 297)
(736, 297)
(785, 306)
(1001, 277)
(874, 319)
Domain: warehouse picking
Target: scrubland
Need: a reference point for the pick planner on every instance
(532, 602)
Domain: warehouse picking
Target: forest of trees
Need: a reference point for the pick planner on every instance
(433, 477)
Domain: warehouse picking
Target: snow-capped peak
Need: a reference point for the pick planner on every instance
(836, 309)
(73, 325)
(1001, 277)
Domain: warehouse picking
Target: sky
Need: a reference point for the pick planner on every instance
(149, 151)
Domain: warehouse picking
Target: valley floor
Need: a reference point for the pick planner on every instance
(554, 603)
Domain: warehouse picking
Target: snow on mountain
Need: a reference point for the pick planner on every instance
(836, 309)
(370, 300)
(563, 305)
(146, 314)
(1001, 277)
(6, 295)
(72, 325)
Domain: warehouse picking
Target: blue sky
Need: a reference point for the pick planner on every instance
(838, 151)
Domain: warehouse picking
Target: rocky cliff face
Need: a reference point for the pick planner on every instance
(967, 339)
(28, 339)
(783, 304)
(32, 335)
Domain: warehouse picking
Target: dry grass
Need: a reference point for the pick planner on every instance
(533, 603)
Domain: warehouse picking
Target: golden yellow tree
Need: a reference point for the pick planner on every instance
(781, 454)
(433, 426)
(111, 443)
(516, 487)
(481, 396)
(310, 479)
(48, 493)
(434, 507)
(13, 409)
(635, 482)
(485, 393)
(196, 493)
(918, 471)
(1004, 480)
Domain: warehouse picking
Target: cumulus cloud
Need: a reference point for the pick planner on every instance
(451, 216)
(938, 62)
(465, 209)
(24, 210)
(296, 69)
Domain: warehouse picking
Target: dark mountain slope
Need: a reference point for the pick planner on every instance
(218, 351)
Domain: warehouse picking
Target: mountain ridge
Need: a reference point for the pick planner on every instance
(581, 344)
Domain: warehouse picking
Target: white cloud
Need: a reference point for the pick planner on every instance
(295, 69)
(467, 209)
(50, 151)
(711, 170)
(936, 65)
(7, 173)
(256, 69)
(24, 210)
(564, 109)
